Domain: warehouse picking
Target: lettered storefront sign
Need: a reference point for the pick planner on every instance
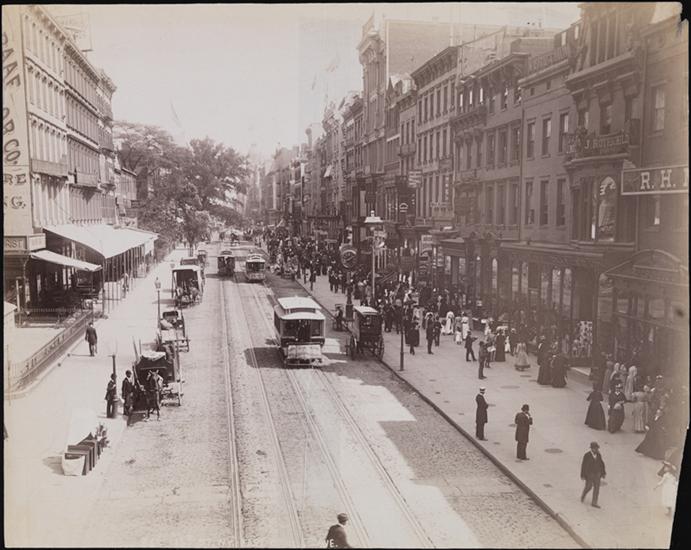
(16, 181)
(655, 180)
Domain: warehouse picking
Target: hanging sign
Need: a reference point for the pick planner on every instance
(657, 180)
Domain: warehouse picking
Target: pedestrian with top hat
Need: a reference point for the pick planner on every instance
(336, 536)
(592, 472)
(480, 415)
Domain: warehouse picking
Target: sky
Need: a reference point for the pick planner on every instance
(253, 74)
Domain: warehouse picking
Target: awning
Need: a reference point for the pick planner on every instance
(103, 239)
(53, 258)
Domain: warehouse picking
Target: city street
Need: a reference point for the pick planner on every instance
(259, 455)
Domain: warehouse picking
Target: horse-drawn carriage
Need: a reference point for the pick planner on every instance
(172, 330)
(299, 326)
(366, 332)
(202, 257)
(187, 285)
(166, 363)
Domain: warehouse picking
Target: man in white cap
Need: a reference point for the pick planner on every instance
(480, 415)
(336, 537)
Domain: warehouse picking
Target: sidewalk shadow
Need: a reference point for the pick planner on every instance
(54, 464)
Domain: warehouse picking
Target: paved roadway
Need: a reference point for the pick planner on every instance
(262, 456)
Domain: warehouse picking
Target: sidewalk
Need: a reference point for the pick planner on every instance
(42, 506)
(631, 515)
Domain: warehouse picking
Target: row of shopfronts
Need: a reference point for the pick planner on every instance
(76, 263)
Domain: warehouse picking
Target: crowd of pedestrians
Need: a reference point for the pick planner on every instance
(658, 408)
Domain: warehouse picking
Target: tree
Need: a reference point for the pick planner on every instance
(143, 148)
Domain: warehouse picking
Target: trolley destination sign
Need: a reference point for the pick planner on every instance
(655, 181)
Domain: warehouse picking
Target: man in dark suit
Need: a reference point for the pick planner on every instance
(336, 537)
(92, 338)
(523, 422)
(592, 472)
(469, 347)
(128, 393)
(480, 415)
(482, 361)
(430, 333)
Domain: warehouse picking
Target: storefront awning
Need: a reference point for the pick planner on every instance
(103, 239)
(59, 259)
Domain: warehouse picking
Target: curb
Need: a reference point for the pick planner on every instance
(504, 469)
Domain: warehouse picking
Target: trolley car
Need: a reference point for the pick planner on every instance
(255, 268)
(226, 263)
(299, 325)
(366, 332)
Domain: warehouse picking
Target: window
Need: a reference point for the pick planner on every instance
(606, 119)
(438, 102)
(611, 21)
(446, 98)
(482, 95)
(426, 108)
(529, 211)
(517, 95)
(503, 145)
(563, 130)
(469, 154)
(629, 107)
(443, 142)
(479, 152)
(419, 109)
(460, 101)
(602, 40)
(505, 98)
(470, 98)
(652, 210)
(544, 206)
(548, 84)
(490, 149)
(658, 108)
(561, 205)
(437, 146)
(531, 140)
(490, 92)
(501, 204)
(424, 148)
(515, 144)
(513, 219)
(583, 118)
(546, 135)
(490, 204)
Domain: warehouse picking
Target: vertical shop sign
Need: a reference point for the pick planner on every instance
(15, 141)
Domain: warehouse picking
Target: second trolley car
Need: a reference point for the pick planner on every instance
(255, 268)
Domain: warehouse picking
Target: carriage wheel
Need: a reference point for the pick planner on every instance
(352, 347)
(379, 350)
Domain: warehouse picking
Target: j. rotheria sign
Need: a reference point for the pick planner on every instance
(654, 181)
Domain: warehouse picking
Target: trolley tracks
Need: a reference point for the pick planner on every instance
(294, 523)
(356, 433)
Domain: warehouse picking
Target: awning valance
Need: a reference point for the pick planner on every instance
(103, 239)
(59, 259)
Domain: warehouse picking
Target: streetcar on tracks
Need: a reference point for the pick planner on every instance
(299, 325)
(226, 263)
(255, 268)
(366, 332)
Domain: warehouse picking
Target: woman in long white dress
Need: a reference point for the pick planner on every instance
(522, 362)
(465, 324)
(448, 327)
(629, 384)
(669, 488)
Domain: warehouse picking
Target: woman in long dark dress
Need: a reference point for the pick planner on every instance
(595, 417)
(544, 375)
(499, 344)
(656, 440)
(559, 371)
(616, 409)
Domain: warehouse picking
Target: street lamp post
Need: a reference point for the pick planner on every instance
(157, 284)
(373, 221)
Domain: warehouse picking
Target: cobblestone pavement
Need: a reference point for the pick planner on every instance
(630, 516)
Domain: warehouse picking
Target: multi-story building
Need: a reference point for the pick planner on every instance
(487, 135)
(352, 114)
(51, 166)
(386, 48)
(435, 82)
(650, 289)
(532, 273)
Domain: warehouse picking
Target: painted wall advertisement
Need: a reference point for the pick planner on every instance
(15, 142)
